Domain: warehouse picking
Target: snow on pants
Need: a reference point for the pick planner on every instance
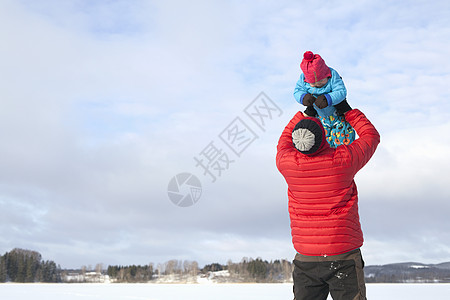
(338, 131)
(341, 275)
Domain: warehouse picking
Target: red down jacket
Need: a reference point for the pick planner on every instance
(323, 199)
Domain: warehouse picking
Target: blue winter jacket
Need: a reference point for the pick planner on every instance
(334, 91)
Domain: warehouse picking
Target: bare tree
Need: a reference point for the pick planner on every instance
(99, 268)
(83, 270)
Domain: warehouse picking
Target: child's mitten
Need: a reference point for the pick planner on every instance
(321, 101)
(308, 100)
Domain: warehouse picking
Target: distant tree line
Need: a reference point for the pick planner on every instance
(248, 270)
(258, 270)
(180, 270)
(130, 273)
(408, 273)
(21, 265)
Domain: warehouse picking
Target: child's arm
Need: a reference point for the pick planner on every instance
(338, 92)
(300, 89)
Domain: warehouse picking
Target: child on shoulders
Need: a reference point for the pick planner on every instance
(322, 90)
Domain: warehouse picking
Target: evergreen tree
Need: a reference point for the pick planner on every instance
(257, 269)
(130, 273)
(3, 273)
(21, 265)
(212, 268)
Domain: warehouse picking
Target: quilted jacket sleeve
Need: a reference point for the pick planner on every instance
(300, 91)
(339, 92)
(361, 150)
(285, 145)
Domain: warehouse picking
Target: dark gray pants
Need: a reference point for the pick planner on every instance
(341, 275)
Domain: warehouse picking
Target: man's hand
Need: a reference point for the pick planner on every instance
(310, 111)
(342, 108)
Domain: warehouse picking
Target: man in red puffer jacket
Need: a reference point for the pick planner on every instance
(323, 205)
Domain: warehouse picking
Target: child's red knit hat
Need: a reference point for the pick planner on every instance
(314, 67)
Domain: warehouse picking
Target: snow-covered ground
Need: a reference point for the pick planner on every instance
(93, 291)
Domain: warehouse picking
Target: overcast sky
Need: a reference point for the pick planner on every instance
(103, 103)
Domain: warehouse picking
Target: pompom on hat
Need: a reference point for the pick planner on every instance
(314, 67)
(308, 136)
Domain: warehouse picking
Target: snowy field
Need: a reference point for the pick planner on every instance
(203, 291)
